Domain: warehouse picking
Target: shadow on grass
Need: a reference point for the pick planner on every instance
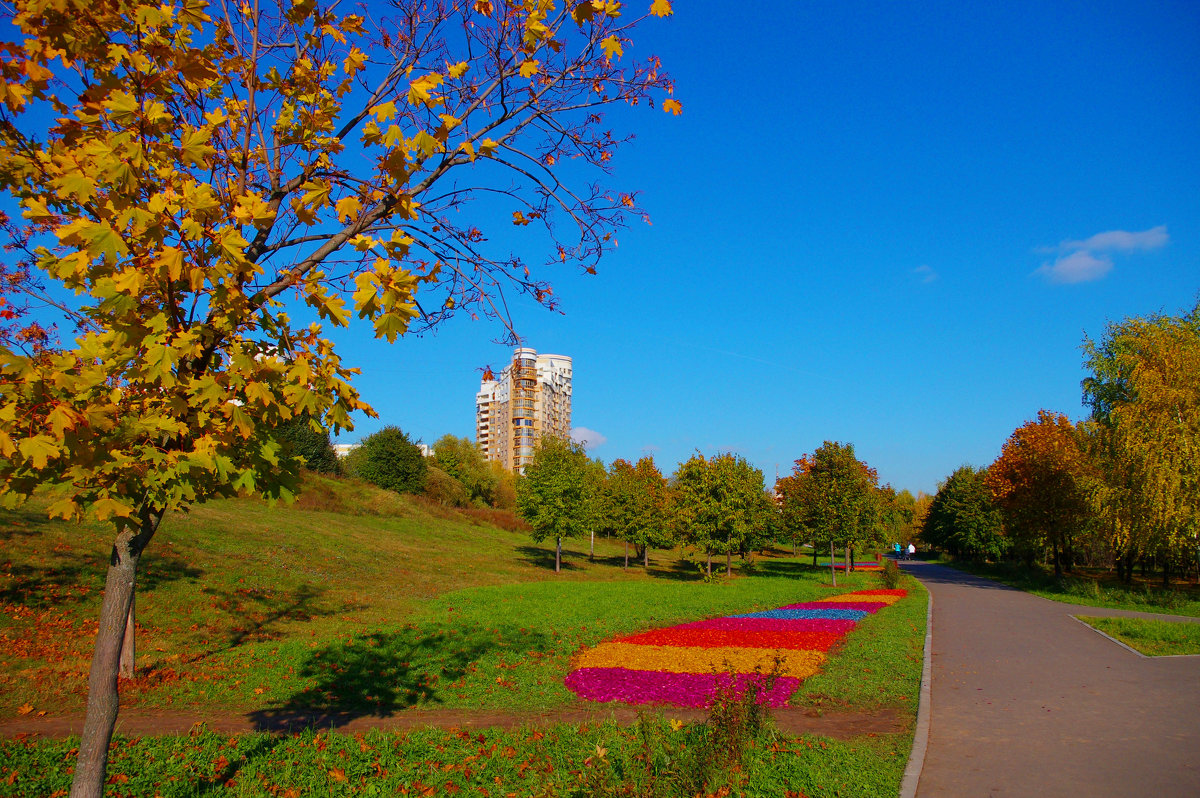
(544, 558)
(386, 672)
(258, 612)
(71, 578)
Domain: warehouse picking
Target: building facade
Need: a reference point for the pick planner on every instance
(530, 398)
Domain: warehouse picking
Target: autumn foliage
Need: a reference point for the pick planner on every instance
(203, 187)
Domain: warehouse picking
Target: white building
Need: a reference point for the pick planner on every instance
(530, 398)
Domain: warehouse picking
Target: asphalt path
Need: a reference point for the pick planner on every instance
(1028, 701)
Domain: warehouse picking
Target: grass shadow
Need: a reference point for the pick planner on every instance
(259, 611)
(386, 672)
(544, 558)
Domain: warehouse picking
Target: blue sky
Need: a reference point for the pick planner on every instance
(884, 224)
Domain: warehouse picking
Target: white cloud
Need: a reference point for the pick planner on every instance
(1120, 241)
(1078, 267)
(925, 273)
(588, 437)
(1088, 259)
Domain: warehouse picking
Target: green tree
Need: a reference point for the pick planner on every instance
(963, 519)
(196, 175)
(1143, 439)
(462, 459)
(445, 489)
(556, 492)
(636, 506)
(390, 460)
(719, 505)
(1039, 483)
(830, 499)
(304, 439)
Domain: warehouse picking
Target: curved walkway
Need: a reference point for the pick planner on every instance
(1027, 701)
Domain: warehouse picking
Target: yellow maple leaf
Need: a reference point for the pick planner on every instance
(348, 208)
(419, 90)
(385, 111)
(610, 46)
(458, 70)
(529, 68)
(672, 107)
(661, 8)
(25, 708)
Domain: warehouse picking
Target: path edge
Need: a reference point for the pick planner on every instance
(916, 759)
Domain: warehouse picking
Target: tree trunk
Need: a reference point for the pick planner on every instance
(850, 558)
(1057, 561)
(128, 644)
(627, 555)
(558, 554)
(709, 564)
(592, 555)
(728, 559)
(103, 699)
(832, 566)
(814, 554)
(1166, 572)
(646, 556)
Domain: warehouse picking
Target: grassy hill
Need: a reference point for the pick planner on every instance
(356, 602)
(234, 575)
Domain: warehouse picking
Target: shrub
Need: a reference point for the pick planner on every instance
(309, 445)
(891, 574)
(444, 489)
(389, 460)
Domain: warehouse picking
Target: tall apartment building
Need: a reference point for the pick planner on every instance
(530, 398)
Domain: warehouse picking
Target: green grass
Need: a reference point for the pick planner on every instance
(585, 761)
(1151, 637)
(1092, 588)
(359, 603)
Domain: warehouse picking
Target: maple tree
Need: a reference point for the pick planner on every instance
(556, 495)
(831, 498)
(201, 187)
(1039, 483)
(962, 517)
(720, 506)
(1144, 437)
(636, 502)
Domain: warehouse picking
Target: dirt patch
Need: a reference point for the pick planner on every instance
(139, 723)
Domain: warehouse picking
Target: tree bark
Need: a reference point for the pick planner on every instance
(646, 556)
(103, 698)
(558, 554)
(129, 644)
(592, 555)
(849, 559)
(627, 555)
(832, 565)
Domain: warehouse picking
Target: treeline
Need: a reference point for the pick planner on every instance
(712, 507)
(1118, 489)
(455, 474)
(709, 507)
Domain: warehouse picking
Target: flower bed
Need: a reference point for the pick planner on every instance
(686, 664)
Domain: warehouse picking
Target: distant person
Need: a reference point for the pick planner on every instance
(911, 550)
(897, 547)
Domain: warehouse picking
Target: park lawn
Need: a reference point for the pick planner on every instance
(1152, 637)
(1091, 587)
(652, 758)
(359, 603)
